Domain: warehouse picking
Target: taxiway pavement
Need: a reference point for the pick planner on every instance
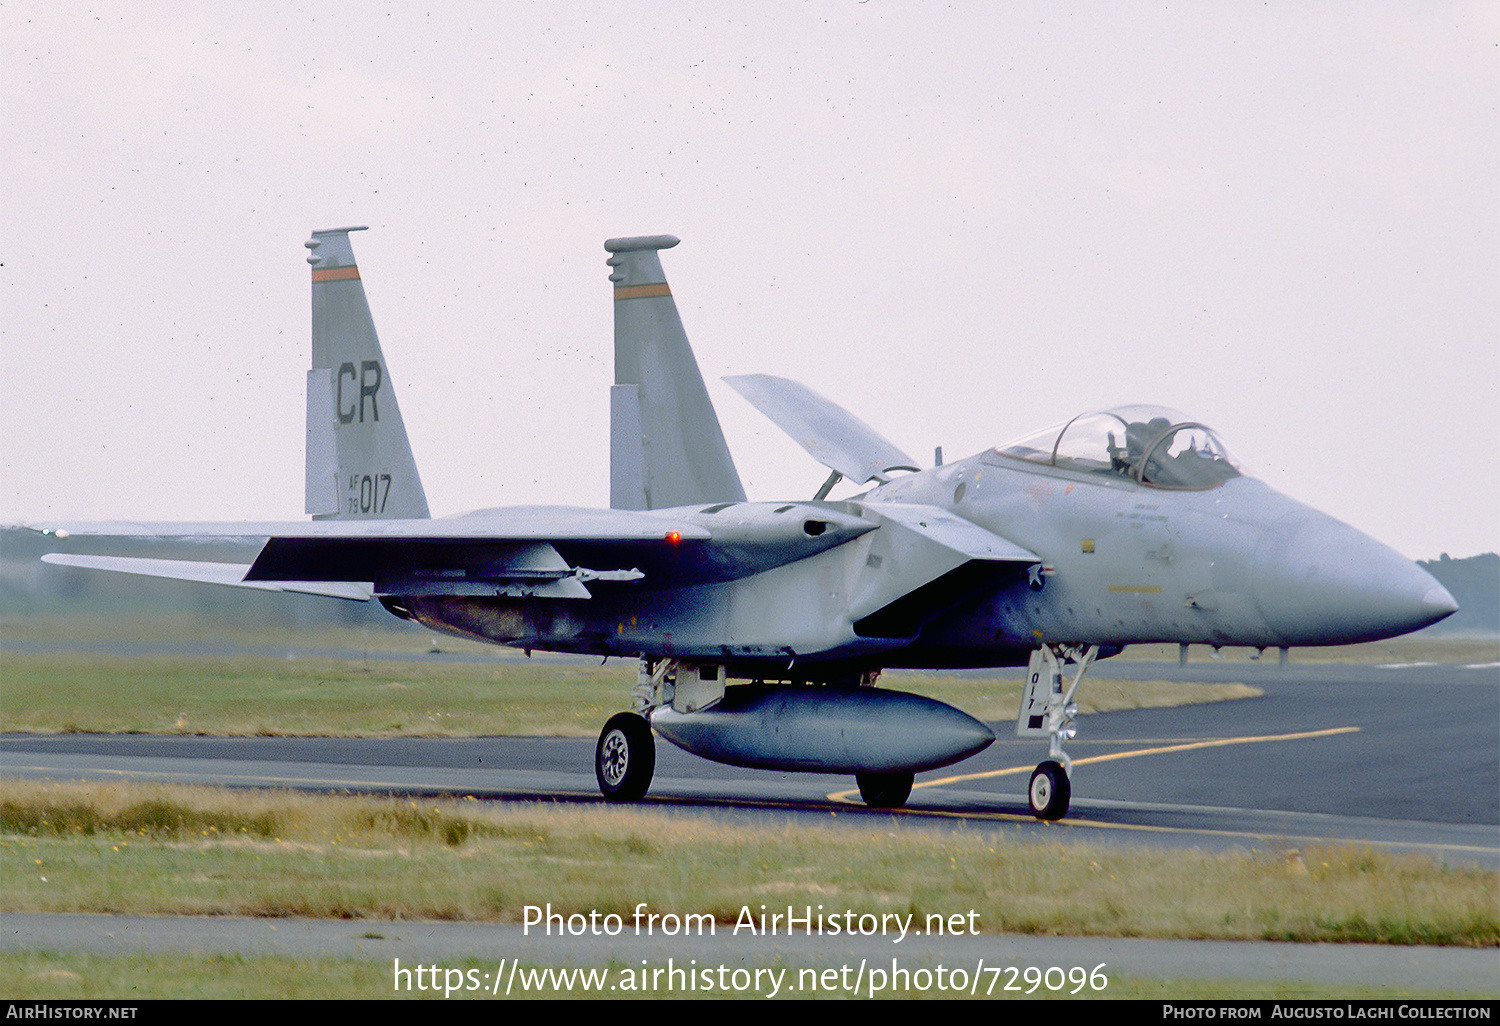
(1405, 758)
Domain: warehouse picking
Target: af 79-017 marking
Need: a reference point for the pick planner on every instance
(1117, 527)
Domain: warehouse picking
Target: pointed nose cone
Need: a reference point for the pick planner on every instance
(1320, 582)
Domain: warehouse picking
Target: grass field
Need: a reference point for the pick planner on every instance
(74, 976)
(256, 695)
(131, 848)
(173, 850)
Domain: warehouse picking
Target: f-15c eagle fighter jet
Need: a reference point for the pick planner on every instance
(1120, 526)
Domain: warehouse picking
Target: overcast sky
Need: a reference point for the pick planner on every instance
(962, 222)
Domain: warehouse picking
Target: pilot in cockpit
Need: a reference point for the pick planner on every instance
(1152, 445)
(1137, 436)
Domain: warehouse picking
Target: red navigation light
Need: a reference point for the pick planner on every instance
(673, 537)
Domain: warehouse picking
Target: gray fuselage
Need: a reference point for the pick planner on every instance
(1121, 563)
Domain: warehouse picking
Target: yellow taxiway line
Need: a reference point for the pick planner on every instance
(848, 796)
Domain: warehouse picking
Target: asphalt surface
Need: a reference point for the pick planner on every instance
(1308, 969)
(1405, 758)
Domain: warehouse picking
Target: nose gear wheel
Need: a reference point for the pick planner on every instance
(1050, 791)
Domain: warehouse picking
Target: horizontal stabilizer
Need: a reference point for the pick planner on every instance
(231, 574)
(831, 434)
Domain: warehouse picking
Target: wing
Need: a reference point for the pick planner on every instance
(542, 551)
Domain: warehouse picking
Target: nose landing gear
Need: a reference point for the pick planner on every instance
(1048, 711)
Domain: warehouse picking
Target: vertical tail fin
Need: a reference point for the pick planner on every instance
(359, 463)
(666, 446)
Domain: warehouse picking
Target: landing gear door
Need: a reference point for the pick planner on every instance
(1043, 688)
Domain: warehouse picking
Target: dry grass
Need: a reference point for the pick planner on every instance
(141, 849)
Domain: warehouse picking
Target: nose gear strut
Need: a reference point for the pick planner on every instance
(1047, 710)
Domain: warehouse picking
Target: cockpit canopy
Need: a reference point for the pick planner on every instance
(1151, 445)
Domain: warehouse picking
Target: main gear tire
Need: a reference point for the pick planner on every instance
(884, 790)
(625, 758)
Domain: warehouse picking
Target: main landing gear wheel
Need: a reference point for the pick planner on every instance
(625, 758)
(884, 790)
(1050, 790)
